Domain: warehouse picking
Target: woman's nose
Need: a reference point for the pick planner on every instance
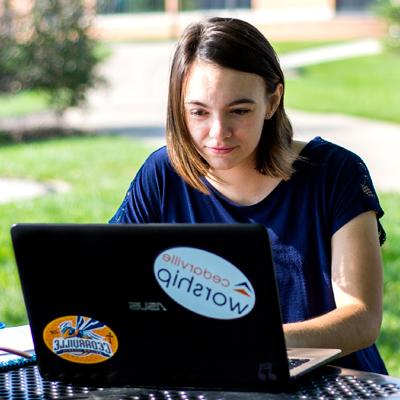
(220, 128)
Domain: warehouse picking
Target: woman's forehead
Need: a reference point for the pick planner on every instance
(207, 80)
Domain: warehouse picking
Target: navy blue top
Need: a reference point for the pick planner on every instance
(330, 186)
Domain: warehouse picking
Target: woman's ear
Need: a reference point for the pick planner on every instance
(274, 100)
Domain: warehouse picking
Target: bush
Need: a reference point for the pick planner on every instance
(390, 10)
(10, 51)
(49, 49)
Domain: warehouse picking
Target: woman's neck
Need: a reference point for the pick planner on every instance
(244, 187)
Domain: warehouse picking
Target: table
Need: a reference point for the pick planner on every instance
(326, 383)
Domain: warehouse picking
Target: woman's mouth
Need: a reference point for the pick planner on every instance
(221, 149)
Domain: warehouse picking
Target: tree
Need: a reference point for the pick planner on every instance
(55, 54)
(390, 10)
(11, 51)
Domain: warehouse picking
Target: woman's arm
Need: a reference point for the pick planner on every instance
(357, 281)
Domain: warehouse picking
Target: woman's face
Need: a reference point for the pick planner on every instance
(225, 111)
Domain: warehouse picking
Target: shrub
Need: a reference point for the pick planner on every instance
(11, 52)
(51, 51)
(390, 10)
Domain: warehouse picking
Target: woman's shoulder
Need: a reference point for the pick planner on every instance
(326, 162)
(157, 170)
(158, 160)
(159, 156)
(322, 152)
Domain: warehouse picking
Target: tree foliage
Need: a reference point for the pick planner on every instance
(10, 50)
(49, 49)
(390, 10)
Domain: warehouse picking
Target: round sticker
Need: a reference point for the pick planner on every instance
(80, 339)
(204, 283)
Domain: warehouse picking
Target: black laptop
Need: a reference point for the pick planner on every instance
(157, 305)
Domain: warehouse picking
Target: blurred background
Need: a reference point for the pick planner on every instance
(83, 90)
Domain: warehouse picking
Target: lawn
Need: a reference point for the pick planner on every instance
(288, 47)
(363, 86)
(26, 102)
(389, 341)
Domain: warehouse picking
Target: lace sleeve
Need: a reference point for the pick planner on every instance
(353, 193)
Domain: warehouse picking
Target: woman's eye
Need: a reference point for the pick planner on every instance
(197, 113)
(241, 111)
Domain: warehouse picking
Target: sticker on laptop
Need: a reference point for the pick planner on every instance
(204, 283)
(80, 339)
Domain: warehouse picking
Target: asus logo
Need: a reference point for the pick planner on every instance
(146, 306)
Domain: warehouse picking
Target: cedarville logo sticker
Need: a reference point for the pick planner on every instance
(204, 283)
(80, 339)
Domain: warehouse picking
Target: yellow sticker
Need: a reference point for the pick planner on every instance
(80, 339)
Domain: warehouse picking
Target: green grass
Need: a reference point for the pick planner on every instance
(364, 86)
(287, 47)
(98, 170)
(25, 102)
(389, 341)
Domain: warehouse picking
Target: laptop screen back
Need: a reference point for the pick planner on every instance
(171, 305)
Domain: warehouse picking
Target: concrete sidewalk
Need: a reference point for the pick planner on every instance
(134, 104)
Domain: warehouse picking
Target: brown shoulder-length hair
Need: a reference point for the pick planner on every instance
(234, 44)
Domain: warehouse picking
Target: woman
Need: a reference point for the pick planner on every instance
(231, 157)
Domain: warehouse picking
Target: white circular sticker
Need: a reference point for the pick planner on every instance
(204, 283)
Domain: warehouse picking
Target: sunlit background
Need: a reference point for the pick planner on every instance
(83, 87)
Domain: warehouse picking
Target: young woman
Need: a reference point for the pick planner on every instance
(231, 157)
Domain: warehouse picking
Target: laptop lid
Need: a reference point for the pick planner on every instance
(166, 305)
